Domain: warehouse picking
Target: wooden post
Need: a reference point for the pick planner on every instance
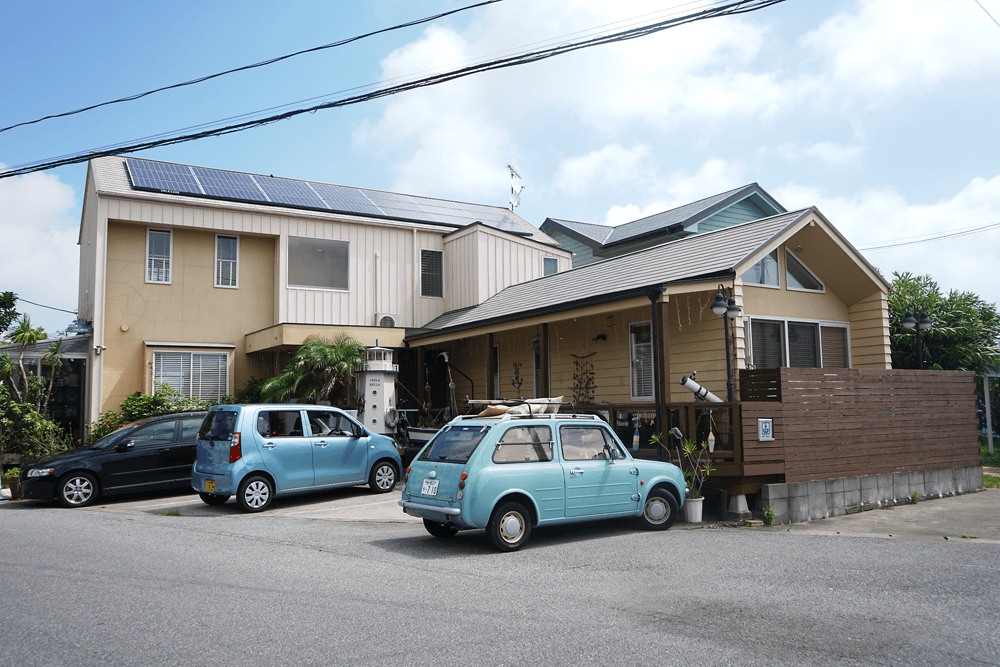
(664, 366)
(543, 360)
(491, 370)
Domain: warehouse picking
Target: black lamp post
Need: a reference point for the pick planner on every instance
(725, 305)
(922, 324)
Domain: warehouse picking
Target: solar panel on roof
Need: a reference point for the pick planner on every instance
(229, 185)
(162, 177)
(289, 192)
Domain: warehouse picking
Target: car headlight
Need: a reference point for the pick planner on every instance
(40, 472)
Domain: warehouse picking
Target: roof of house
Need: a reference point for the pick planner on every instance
(674, 219)
(177, 183)
(710, 255)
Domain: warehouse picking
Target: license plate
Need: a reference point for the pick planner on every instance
(209, 486)
(430, 487)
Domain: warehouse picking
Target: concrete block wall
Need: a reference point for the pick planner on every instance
(808, 501)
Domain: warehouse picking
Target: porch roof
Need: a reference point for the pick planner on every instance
(716, 255)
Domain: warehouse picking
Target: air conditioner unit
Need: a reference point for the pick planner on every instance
(388, 320)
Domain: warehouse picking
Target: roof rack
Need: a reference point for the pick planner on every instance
(514, 402)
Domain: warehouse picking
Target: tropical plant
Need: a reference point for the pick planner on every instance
(318, 371)
(24, 336)
(697, 466)
(250, 393)
(11, 473)
(8, 301)
(24, 431)
(52, 359)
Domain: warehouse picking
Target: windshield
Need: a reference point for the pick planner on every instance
(218, 425)
(455, 444)
(113, 437)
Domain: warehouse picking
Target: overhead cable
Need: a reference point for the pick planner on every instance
(960, 232)
(728, 9)
(271, 61)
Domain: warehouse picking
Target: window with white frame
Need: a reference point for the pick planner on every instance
(798, 277)
(227, 255)
(159, 244)
(764, 272)
(318, 263)
(432, 273)
(641, 361)
(778, 343)
(550, 265)
(203, 375)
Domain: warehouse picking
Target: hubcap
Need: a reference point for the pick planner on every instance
(511, 527)
(78, 490)
(385, 477)
(256, 494)
(656, 510)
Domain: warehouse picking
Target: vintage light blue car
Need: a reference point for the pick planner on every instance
(510, 474)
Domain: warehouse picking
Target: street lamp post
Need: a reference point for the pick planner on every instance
(921, 324)
(725, 306)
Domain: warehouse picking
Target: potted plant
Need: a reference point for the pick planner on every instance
(697, 468)
(12, 479)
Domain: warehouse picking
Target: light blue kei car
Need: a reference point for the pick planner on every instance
(256, 452)
(513, 473)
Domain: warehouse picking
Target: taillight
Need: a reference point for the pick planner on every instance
(461, 484)
(235, 451)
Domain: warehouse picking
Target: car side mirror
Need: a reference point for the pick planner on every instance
(126, 446)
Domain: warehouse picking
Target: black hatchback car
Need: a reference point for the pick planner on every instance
(147, 455)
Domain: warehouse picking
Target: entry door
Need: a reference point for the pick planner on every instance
(595, 482)
(339, 456)
(285, 448)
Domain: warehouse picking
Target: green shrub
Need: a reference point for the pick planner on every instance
(25, 432)
(139, 406)
(11, 473)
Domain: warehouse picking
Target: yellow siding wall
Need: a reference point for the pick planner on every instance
(189, 310)
(870, 332)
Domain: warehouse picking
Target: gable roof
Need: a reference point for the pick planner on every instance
(714, 255)
(113, 177)
(585, 232)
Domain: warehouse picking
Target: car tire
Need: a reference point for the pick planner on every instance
(213, 499)
(509, 527)
(659, 511)
(383, 476)
(255, 493)
(442, 530)
(78, 489)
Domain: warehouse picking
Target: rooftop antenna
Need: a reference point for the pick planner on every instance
(515, 186)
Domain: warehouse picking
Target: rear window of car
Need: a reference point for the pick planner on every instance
(218, 425)
(524, 444)
(455, 444)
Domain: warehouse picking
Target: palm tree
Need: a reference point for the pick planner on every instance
(53, 361)
(318, 370)
(7, 373)
(24, 335)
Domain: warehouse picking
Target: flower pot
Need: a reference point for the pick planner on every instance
(14, 484)
(692, 509)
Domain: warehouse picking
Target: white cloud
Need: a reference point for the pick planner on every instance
(40, 252)
(883, 216)
(884, 46)
(825, 151)
(610, 167)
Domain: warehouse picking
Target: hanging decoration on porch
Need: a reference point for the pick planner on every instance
(517, 381)
(583, 380)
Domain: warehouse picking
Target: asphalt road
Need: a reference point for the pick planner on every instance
(345, 579)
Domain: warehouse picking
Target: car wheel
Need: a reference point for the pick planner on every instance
(660, 510)
(78, 489)
(440, 529)
(213, 498)
(383, 477)
(509, 527)
(254, 494)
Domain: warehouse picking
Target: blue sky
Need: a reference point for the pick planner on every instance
(882, 113)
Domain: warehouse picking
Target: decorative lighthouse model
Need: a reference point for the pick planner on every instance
(377, 391)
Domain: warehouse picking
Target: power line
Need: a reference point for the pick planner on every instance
(271, 61)
(41, 305)
(960, 232)
(987, 12)
(728, 9)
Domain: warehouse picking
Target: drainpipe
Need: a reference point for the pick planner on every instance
(654, 296)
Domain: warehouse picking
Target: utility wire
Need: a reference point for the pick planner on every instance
(730, 9)
(987, 12)
(246, 67)
(41, 305)
(960, 232)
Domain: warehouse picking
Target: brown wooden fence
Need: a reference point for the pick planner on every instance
(846, 422)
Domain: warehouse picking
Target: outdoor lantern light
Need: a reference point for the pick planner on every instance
(720, 306)
(725, 307)
(923, 324)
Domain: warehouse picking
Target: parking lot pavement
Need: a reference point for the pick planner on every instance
(356, 504)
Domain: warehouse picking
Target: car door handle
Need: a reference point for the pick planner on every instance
(322, 443)
(162, 450)
(269, 445)
(575, 471)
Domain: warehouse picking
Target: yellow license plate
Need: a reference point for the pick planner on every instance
(209, 486)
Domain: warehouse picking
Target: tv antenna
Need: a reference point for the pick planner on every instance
(515, 186)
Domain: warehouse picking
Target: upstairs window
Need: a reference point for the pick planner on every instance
(227, 250)
(550, 265)
(764, 272)
(159, 243)
(319, 263)
(799, 277)
(432, 273)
